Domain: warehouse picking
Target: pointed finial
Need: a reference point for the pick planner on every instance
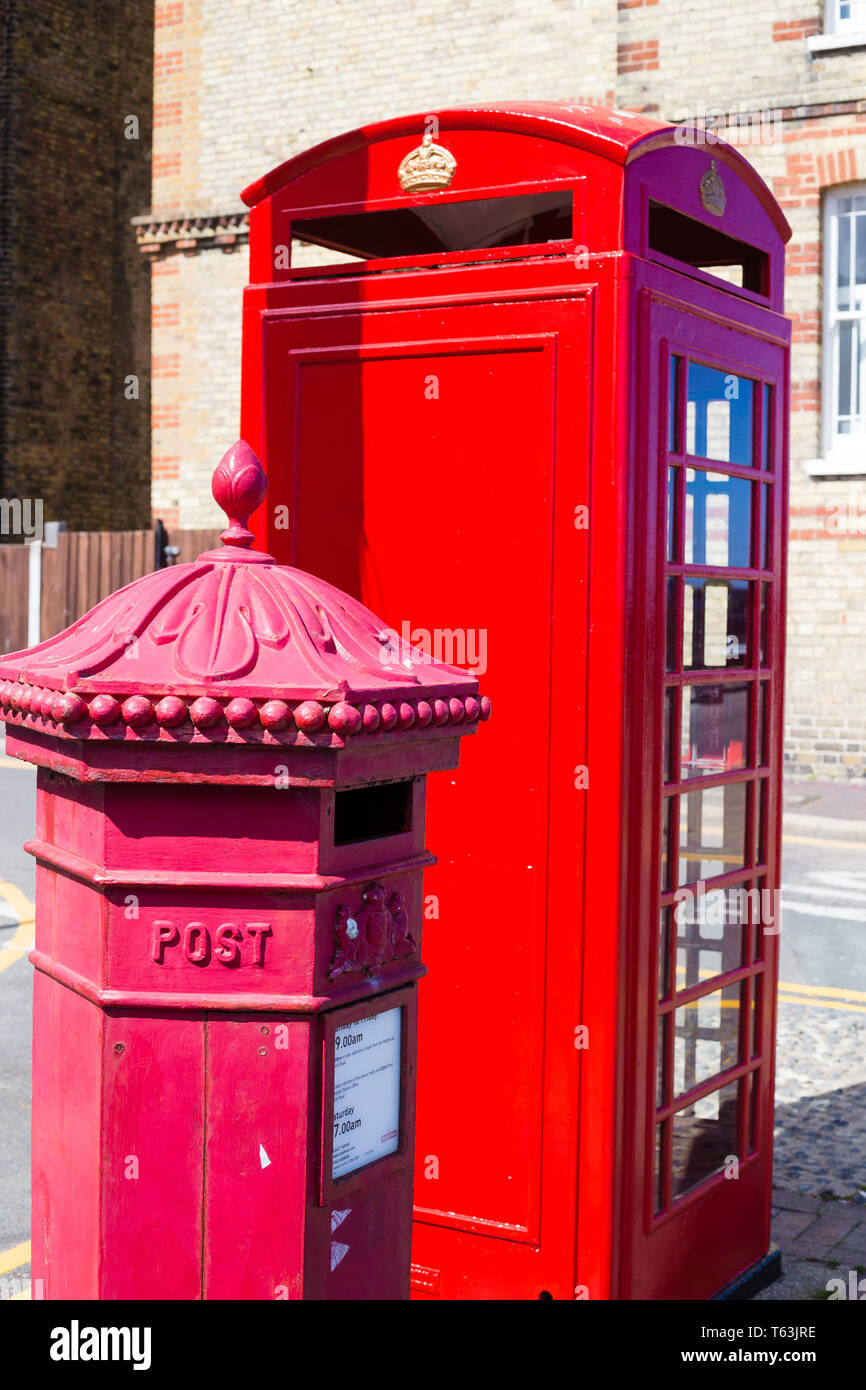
(239, 486)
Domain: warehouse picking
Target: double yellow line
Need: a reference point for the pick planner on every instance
(823, 997)
(23, 938)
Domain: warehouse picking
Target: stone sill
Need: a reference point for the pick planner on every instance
(837, 466)
(830, 43)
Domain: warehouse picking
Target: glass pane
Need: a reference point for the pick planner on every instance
(843, 263)
(710, 934)
(715, 729)
(766, 460)
(671, 626)
(718, 519)
(847, 352)
(763, 653)
(712, 832)
(719, 415)
(659, 1183)
(707, 1037)
(704, 1136)
(765, 526)
(754, 1093)
(664, 952)
(671, 548)
(669, 771)
(661, 1061)
(667, 807)
(760, 794)
(674, 443)
(755, 1030)
(715, 623)
(763, 743)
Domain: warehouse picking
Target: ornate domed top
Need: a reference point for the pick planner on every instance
(233, 639)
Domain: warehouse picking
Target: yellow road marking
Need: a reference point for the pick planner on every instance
(826, 844)
(18, 1255)
(23, 939)
(822, 1003)
(825, 989)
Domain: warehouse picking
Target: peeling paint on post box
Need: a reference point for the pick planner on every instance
(228, 775)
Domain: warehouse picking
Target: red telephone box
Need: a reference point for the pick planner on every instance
(546, 378)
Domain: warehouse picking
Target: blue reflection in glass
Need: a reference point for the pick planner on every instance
(719, 415)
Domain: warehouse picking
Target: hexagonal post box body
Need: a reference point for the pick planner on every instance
(230, 848)
(572, 318)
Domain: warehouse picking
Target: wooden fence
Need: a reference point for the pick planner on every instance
(84, 567)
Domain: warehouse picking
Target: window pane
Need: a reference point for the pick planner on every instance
(674, 442)
(668, 757)
(762, 724)
(718, 519)
(712, 832)
(704, 1136)
(766, 461)
(763, 557)
(715, 729)
(846, 357)
(659, 1185)
(661, 1060)
(664, 953)
(843, 263)
(715, 623)
(710, 934)
(671, 626)
(666, 840)
(706, 1037)
(719, 415)
(671, 548)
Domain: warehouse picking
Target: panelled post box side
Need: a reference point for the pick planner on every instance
(230, 847)
(538, 320)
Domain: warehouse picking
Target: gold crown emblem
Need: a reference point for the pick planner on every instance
(713, 190)
(426, 168)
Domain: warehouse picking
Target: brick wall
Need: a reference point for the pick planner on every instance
(72, 281)
(238, 90)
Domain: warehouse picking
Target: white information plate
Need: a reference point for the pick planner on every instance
(366, 1091)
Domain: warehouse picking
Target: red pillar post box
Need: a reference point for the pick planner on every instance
(572, 319)
(230, 846)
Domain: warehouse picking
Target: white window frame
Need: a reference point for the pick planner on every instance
(842, 453)
(839, 32)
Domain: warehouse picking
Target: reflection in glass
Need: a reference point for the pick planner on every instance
(718, 519)
(712, 832)
(766, 461)
(706, 1037)
(710, 934)
(671, 514)
(766, 523)
(671, 626)
(763, 708)
(669, 772)
(664, 952)
(715, 623)
(661, 1061)
(755, 1030)
(659, 1183)
(763, 652)
(704, 1136)
(754, 1092)
(719, 415)
(667, 811)
(674, 443)
(715, 729)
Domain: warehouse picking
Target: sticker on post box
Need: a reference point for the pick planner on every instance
(366, 1091)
